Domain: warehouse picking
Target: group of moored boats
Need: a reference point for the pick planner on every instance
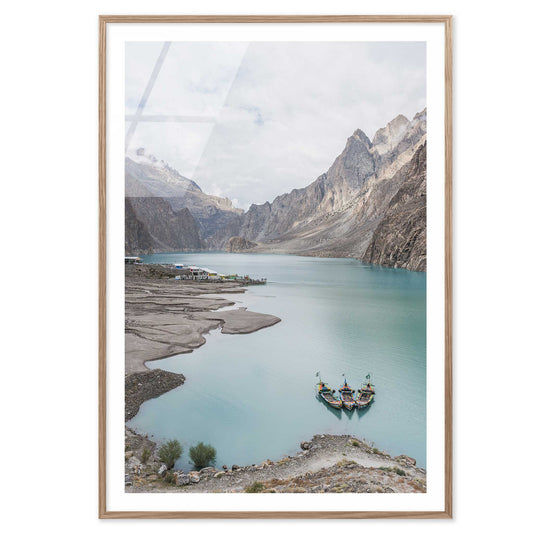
(348, 397)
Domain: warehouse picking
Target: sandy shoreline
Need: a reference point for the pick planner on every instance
(164, 318)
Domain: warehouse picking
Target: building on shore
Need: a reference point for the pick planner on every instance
(196, 273)
(211, 274)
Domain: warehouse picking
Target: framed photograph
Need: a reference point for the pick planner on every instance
(275, 267)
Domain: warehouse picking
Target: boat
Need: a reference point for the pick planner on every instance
(365, 394)
(346, 393)
(326, 394)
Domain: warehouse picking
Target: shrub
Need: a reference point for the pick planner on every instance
(170, 479)
(170, 452)
(346, 462)
(399, 471)
(356, 443)
(202, 455)
(145, 455)
(254, 487)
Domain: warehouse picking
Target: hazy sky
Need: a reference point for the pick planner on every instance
(275, 115)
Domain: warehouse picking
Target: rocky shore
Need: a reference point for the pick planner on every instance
(143, 386)
(327, 463)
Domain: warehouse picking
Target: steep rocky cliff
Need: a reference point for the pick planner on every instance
(216, 217)
(325, 195)
(137, 238)
(153, 226)
(399, 241)
(238, 244)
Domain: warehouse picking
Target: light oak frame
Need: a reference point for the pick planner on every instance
(433, 19)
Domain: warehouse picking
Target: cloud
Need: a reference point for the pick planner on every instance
(283, 111)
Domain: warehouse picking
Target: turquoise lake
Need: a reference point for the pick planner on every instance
(253, 397)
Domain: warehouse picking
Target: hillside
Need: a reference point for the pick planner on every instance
(216, 219)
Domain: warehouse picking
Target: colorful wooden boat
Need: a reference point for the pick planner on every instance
(326, 394)
(346, 393)
(365, 394)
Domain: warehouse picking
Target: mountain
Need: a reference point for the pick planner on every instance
(338, 213)
(400, 238)
(238, 244)
(137, 238)
(370, 205)
(216, 218)
(152, 225)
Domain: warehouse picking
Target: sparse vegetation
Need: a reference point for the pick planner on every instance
(202, 455)
(170, 452)
(170, 479)
(346, 462)
(341, 487)
(145, 455)
(398, 471)
(356, 443)
(255, 487)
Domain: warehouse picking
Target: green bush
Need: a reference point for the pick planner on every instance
(202, 455)
(399, 471)
(170, 452)
(170, 479)
(254, 487)
(145, 455)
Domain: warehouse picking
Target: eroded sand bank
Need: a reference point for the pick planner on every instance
(165, 317)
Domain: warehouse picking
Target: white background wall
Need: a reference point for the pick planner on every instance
(48, 215)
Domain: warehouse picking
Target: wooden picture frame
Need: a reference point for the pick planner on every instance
(104, 22)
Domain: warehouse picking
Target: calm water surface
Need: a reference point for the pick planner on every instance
(253, 396)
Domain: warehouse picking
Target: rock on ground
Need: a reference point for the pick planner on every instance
(332, 463)
(149, 384)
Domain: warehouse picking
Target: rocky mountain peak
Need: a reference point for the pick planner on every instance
(355, 164)
(360, 135)
(388, 137)
(421, 115)
(398, 121)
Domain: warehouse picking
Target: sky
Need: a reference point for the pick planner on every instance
(250, 121)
